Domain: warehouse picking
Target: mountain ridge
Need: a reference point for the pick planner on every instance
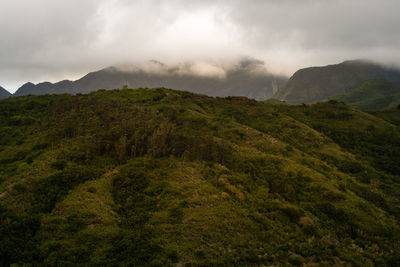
(4, 93)
(319, 83)
(244, 79)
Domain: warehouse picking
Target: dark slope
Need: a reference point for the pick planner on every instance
(319, 83)
(242, 80)
(45, 88)
(4, 93)
(375, 94)
(164, 177)
(391, 115)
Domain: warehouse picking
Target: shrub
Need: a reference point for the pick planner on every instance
(173, 256)
(59, 164)
(50, 190)
(92, 189)
(176, 213)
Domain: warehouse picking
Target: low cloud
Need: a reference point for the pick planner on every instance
(214, 69)
(203, 69)
(53, 40)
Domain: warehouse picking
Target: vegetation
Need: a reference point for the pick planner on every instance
(390, 115)
(375, 94)
(162, 177)
(320, 83)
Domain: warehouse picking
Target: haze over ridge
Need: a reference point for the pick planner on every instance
(247, 77)
(47, 45)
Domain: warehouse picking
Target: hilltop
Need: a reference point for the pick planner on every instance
(166, 177)
(319, 83)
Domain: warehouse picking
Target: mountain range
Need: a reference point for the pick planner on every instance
(247, 78)
(319, 83)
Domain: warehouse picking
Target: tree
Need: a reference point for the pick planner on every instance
(120, 148)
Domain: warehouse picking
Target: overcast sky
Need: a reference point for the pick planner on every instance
(55, 39)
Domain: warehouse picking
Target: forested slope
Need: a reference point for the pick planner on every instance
(375, 94)
(164, 177)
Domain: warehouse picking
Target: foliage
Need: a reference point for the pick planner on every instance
(375, 94)
(162, 177)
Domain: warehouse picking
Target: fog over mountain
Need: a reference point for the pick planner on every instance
(58, 40)
(248, 77)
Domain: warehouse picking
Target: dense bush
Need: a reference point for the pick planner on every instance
(161, 177)
(50, 190)
(133, 245)
(17, 232)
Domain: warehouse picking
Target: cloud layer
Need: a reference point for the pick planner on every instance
(53, 40)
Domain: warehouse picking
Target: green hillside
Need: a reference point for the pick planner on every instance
(162, 177)
(319, 83)
(391, 115)
(375, 94)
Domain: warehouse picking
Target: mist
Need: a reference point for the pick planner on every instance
(47, 40)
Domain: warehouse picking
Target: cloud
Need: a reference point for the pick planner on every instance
(195, 68)
(319, 32)
(53, 40)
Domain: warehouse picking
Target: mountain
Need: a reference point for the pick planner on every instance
(4, 93)
(163, 177)
(377, 94)
(319, 83)
(247, 78)
(45, 88)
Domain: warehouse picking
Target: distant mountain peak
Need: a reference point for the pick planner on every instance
(4, 93)
(28, 84)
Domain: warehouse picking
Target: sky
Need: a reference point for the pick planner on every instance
(52, 40)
